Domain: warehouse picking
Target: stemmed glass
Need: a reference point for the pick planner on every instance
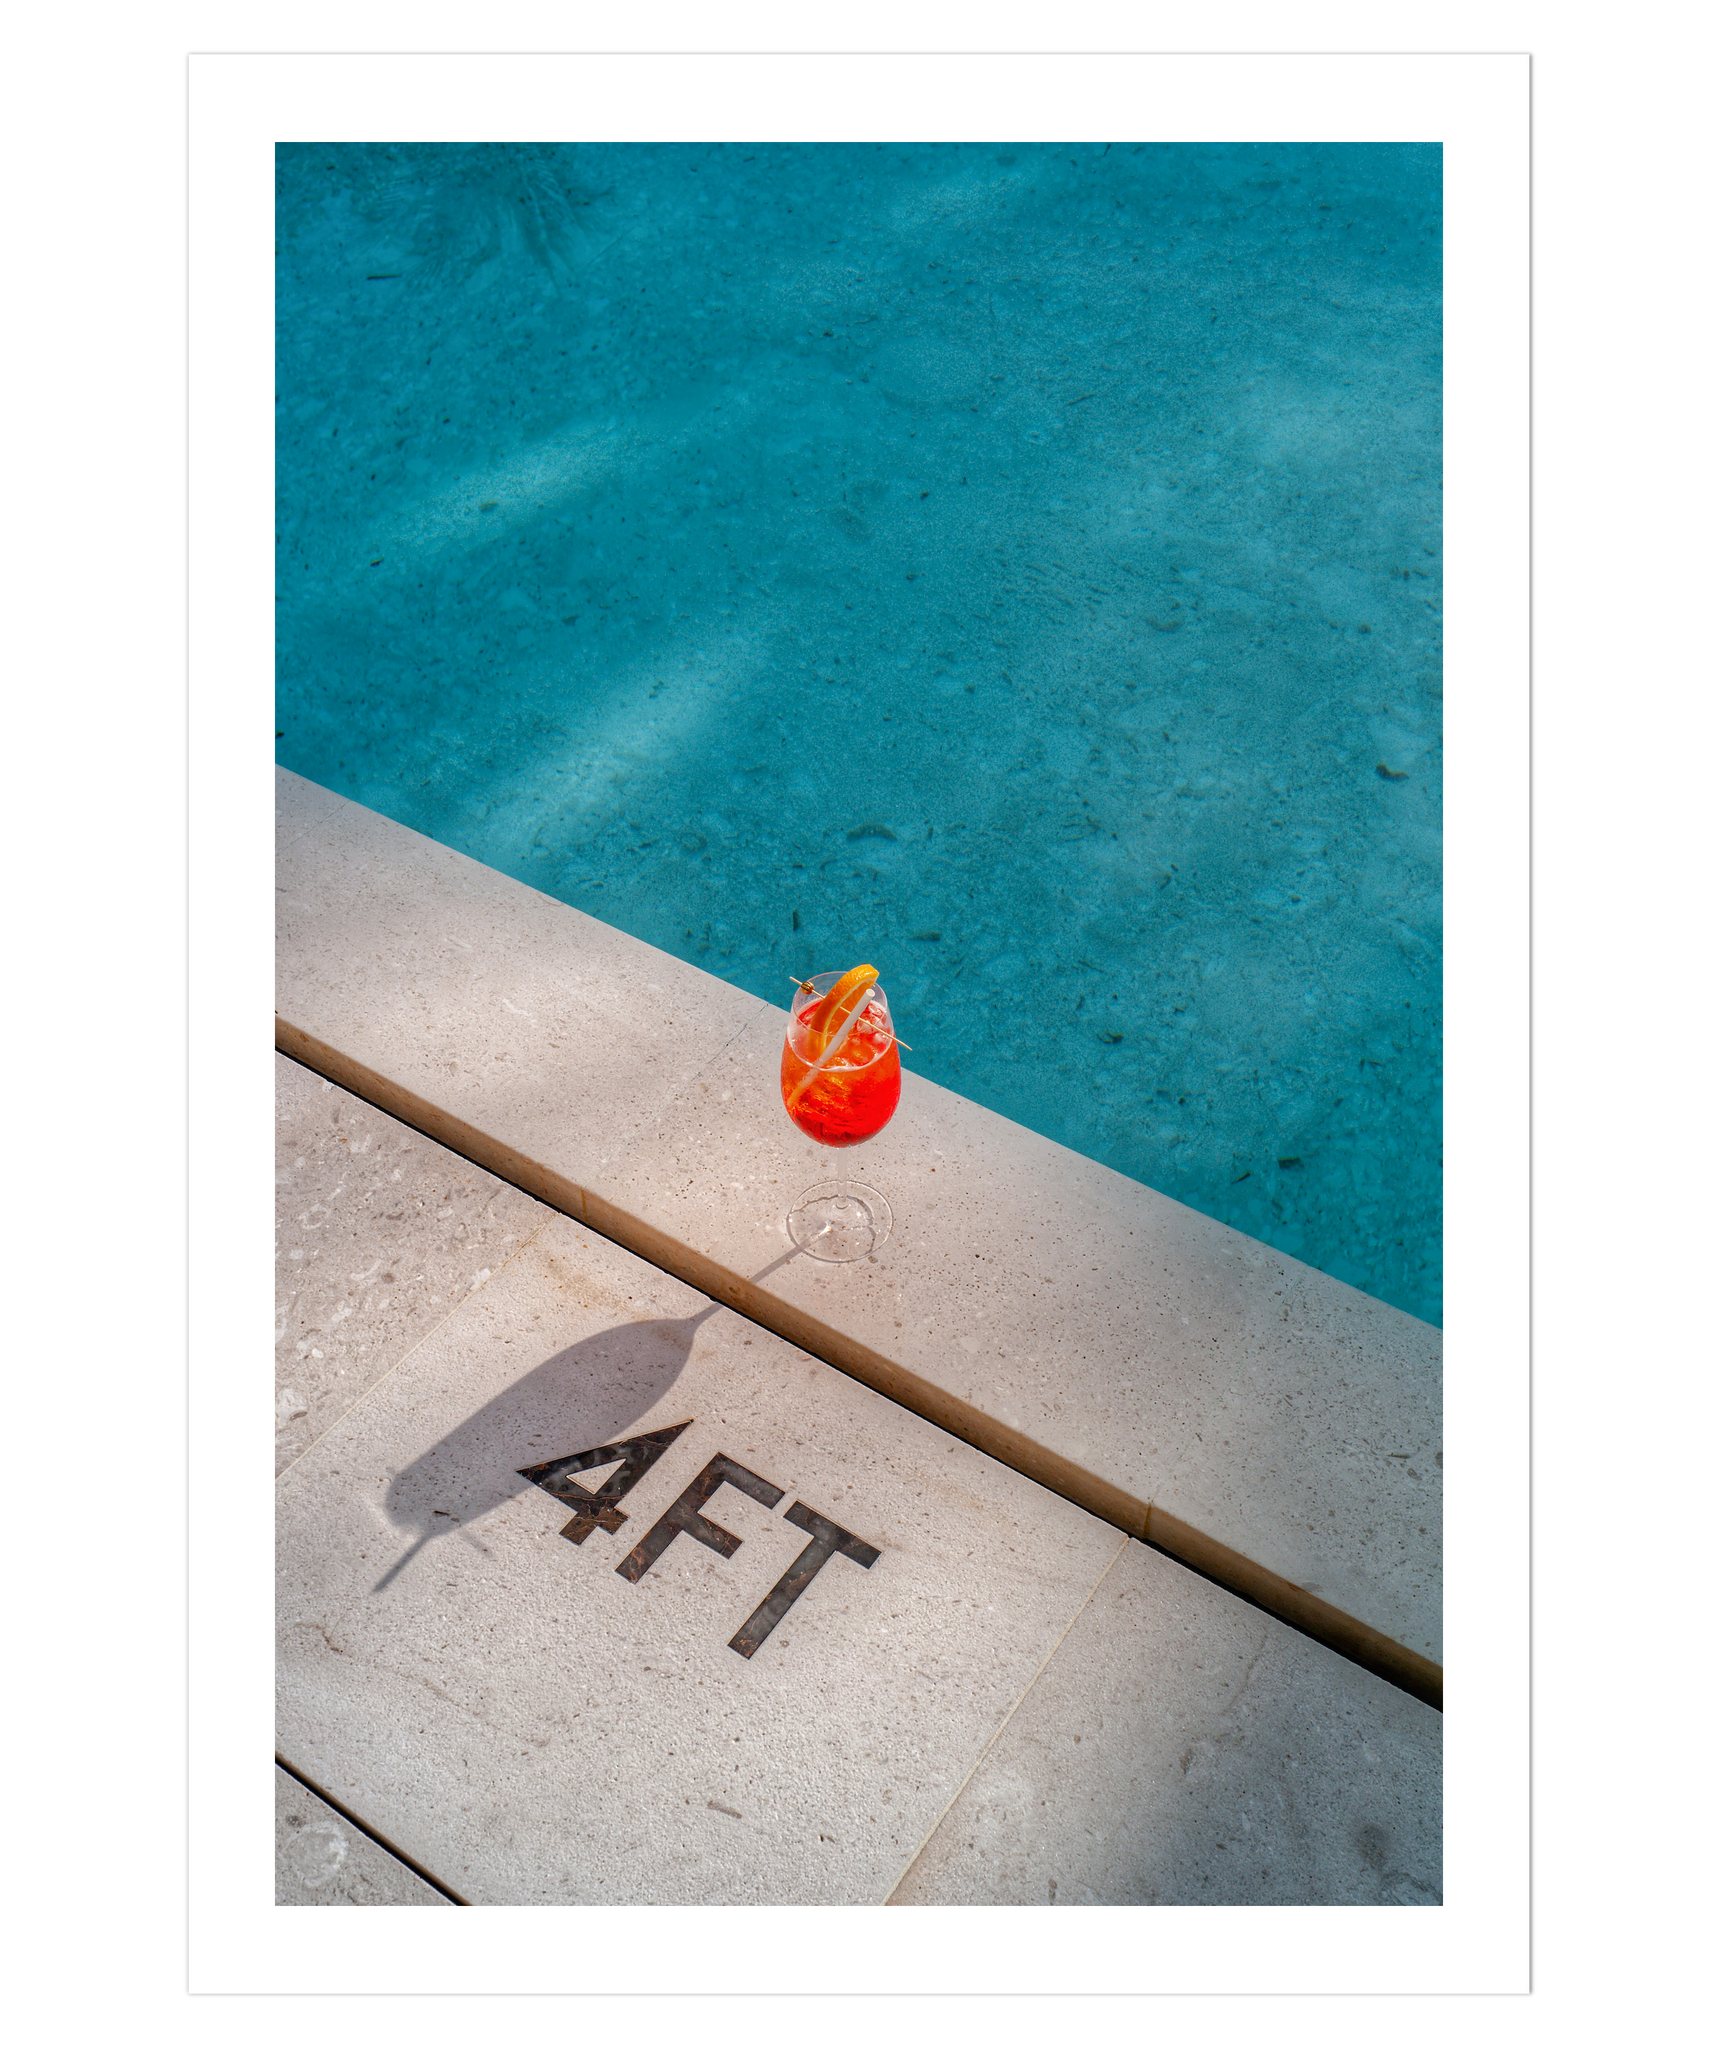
(840, 1086)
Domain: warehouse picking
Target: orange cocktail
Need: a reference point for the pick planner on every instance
(840, 1082)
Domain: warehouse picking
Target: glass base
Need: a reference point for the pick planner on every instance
(836, 1222)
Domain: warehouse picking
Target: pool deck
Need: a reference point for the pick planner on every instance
(1152, 1611)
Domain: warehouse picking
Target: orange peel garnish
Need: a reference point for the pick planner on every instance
(805, 989)
(847, 996)
(830, 1023)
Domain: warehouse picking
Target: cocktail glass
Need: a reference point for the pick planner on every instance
(840, 1088)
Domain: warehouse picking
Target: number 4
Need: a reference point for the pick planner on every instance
(598, 1510)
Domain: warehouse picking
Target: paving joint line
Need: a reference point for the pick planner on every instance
(1003, 1723)
(518, 1252)
(369, 1833)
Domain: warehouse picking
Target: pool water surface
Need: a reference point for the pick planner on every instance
(1017, 566)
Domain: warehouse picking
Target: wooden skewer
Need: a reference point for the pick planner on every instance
(808, 989)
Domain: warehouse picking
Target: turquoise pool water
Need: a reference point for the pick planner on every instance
(1019, 566)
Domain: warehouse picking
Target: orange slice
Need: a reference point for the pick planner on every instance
(847, 996)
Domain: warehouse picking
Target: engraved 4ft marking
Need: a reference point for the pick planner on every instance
(601, 1510)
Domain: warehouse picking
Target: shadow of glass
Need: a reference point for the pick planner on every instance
(588, 1395)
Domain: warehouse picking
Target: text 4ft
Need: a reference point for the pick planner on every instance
(600, 1509)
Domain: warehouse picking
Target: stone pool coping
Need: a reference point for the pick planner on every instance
(1264, 1424)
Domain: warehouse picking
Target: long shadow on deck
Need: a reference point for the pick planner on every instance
(590, 1394)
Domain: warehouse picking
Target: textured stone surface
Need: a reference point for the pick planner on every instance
(1181, 1748)
(1278, 1411)
(380, 1233)
(1176, 1747)
(509, 1710)
(322, 1860)
(1293, 1418)
(542, 1022)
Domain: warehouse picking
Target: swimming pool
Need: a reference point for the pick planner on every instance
(1019, 566)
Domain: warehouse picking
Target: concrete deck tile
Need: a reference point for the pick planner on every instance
(513, 1713)
(1030, 1298)
(381, 1233)
(1181, 1748)
(320, 1859)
